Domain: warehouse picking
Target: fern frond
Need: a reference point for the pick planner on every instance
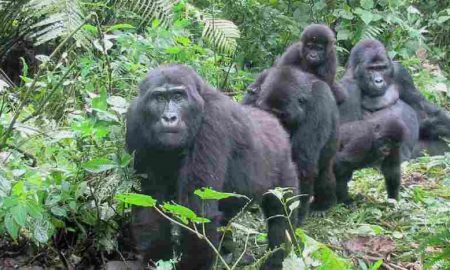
(62, 17)
(221, 33)
(371, 32)
(149, 9)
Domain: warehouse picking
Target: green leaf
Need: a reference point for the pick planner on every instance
(120, 26)
(99, 165)
(58, 211)
(18, 188)
(91, 28)
(11, 226)
(34, 210)
(343, 34)
(377, 265)
(155, 23)
(100, 102)
(211, 194)
(40, 232)
(173, 50)
(136, 199)
(183, 213)
(5, 185)
(365, 15)
(19, 212)
(367, 4)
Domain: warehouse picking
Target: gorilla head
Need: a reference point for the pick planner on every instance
(318, 45)
(286, 102)
(170, 106)
(371, 67)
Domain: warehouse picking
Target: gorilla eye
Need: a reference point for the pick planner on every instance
(178, 97)
(160, 98)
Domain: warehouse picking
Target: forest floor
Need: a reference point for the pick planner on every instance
(372, 229)
(375, 228)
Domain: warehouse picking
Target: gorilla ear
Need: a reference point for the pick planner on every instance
(134, 137)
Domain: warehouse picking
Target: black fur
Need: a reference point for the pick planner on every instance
(316, 39)
(366, 143)
(225, 145)
(307, 110)
(369, 62)
(434, 122)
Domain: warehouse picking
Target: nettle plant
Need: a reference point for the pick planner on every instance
(305, 252)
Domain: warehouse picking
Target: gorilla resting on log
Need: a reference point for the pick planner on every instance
(186, 135)
(383, 86)
(308, 111)
(315, 53)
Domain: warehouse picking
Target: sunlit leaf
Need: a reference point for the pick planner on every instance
(136, 199)
(11, 226)
(211, 194)
(99, 165)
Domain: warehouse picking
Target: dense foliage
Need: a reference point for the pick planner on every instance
(69, 69)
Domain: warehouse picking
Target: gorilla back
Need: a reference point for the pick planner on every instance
(306, 108)
(186, 135)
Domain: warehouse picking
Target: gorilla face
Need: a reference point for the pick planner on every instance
(314, 53)
(170, 114)
(374, 75)
(283, 97)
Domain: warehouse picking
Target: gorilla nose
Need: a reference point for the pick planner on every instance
(169, 119)
(378, 80)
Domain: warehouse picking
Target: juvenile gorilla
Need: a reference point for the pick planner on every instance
(382, 83)
(367, 143)
(315, 53)
(370, 81)
(186, 135)
(307, 110)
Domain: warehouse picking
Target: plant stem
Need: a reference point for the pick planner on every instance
(201, 236)
(30, 89)
(243, 252)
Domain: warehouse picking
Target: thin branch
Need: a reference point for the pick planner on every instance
(25, 154)
(243, 252)
(32, 87)
(201, 236)
(47, 98)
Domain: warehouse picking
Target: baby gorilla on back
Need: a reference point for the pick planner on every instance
(365, 143)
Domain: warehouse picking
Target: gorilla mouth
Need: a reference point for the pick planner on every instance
(171, 130)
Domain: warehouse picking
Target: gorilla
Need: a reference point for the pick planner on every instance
(366, 143)
(382, 83)
(315, 53)
(306, 108)
(186, 135)
(370, 82)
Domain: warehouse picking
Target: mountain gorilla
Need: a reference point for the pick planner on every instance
(366, 143)
(372, 87)
(315, 53)
(186, 135)
(308, 111)
(382, 83)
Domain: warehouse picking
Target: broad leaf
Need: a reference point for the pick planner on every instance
(211, 194)
(11, 226)
(136, 199)
(99, 165)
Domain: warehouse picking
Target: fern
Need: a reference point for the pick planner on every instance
(221, 33)
(149, 9)
(62, 17)
(371, 32)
